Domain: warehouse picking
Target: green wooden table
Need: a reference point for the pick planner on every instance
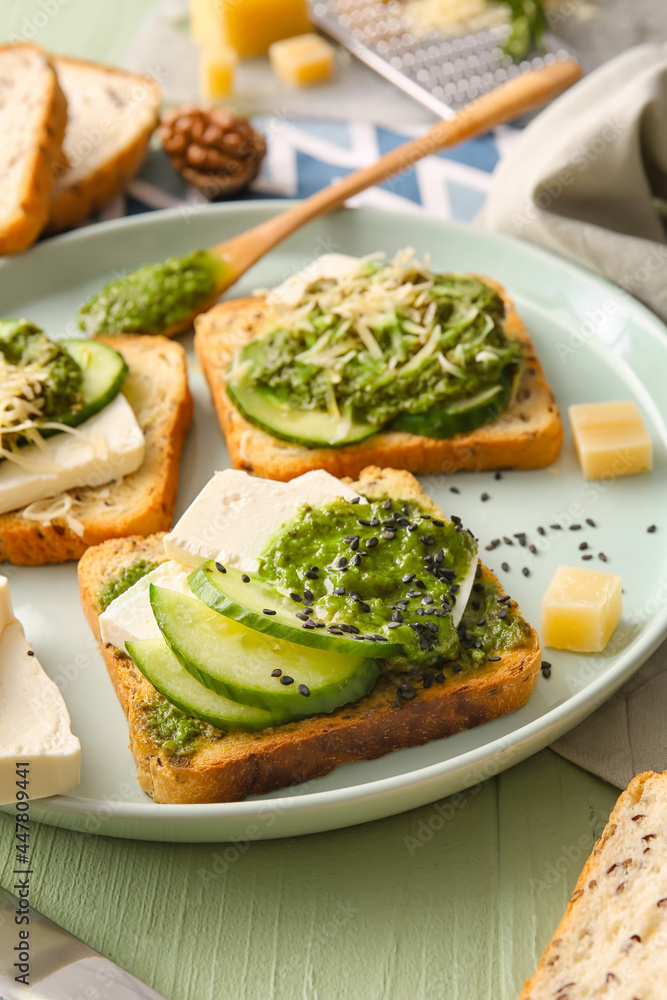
(409, 907)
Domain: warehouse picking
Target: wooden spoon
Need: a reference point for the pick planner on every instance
(238, 254)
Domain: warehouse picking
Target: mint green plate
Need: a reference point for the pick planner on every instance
(595, 344)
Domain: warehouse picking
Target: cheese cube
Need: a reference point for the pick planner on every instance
(217, 70)
(611, 439)
(251, 26)
(303, 60)
(581, 609)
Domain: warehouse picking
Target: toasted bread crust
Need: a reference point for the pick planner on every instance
(241, 764)
(143, 502)
(22, 229)
(73, 201)
(528, 435)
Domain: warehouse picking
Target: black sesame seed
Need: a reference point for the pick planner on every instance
(587, 557)
(355, 560)
(505, 566)
(355, 500)
(245, 577)
(413, 527)
(504, 599)
(268, 611)
(407, 578)
(277, 672)
(427, 600)
(441, 612)
(339, 591)
(424, 644)
(531, 548)
(498, 475)
(371, 543)
(220, 568)
(484, 497)
(308, 625)
(353, 629)
(439, 678)
(508, 541)
(502, 613)
(453, 489)
(493, 545)
(296, 597)
(364, 607)
(525, 571)
(311, 574)
(493, 659)
(477, 587)
(354, 544)
(602, 556)
(454, 519)
(304, 690)
(393, 624)
(482, 622)
(432, 627)
(397, 617)
(303, 617)
(591, 522)
(583, 546)
(414, 593)
(427, 539)
(308, 596)
(286, 680)
(389, 536)
(541, 531)
(546, 664)
(402, 522)
(438, 523)
(652, 528)
(427, 680)
(307, 611)
(457, 668)
(521, 536)
(575, 527)
(420, 584)
(556, 527)
(546, 673)
(31, 652)
(379, 638)
(478, 570)
(335, 630)
(341, 563)
(425, 517)
(386, 505)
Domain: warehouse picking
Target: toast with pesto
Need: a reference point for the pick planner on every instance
(33, 116)
(513, 423)
(181, 759)
(111, 115)
(156, 387)
(611, 940)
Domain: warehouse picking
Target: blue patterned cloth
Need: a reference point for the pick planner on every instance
(305, 156)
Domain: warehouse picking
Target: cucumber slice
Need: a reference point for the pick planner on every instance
(104, 372)
(227, 594)
(238, 662)
(159, 665)
(312, 428)
(460, 417)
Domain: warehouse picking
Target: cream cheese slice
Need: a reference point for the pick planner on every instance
(35, 732)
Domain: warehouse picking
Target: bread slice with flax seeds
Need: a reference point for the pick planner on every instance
(612, 941)
(228, 766)
(141, 503)
(527, 435)
(33, 116)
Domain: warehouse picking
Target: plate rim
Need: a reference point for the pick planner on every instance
(552, 724)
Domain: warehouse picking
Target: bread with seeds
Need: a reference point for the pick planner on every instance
(527, 435)
(612, 940)
(143, 502)
(33, 116)
(228, 766)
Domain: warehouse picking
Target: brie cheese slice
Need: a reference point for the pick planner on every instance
(108, 446)
(130, 616)
(35, 733)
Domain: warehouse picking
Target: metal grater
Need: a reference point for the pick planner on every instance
(443, 73)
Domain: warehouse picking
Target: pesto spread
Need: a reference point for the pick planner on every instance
(41, 381)
(125, 579)
(388, 339)
(155, 296)
(386, 567)
(172, 729)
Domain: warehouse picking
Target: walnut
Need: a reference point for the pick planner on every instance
(215, 151)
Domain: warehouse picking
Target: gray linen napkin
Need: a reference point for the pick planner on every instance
(588, 177)
(585, 180)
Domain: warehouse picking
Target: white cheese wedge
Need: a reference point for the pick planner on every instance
(108, 446)
(35, 728)
(329, 265)
(236, 515)
(130, 616)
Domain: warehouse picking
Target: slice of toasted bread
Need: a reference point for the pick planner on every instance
(143, 502)
(528, 435)
(111, 116)
(236, 764)
(611, 941)
(33, 115)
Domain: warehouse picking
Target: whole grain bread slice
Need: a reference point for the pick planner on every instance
(612, 941)
(111, 116)
(143, 502)
(528, 435)
(33, 115)
(235, 764)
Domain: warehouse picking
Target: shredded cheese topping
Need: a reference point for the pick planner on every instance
(21, 403)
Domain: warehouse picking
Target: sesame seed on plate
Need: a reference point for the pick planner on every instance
(525, 571)
(505, 566)
(484, 497)
(651, 529)
(454, 489)
(591, 522)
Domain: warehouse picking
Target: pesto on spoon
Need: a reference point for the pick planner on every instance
(165, 298)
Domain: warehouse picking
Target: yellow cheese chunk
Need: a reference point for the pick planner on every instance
(581, 609)
(217, 73)
(303, 60)
(611, 440)
(251, 26)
